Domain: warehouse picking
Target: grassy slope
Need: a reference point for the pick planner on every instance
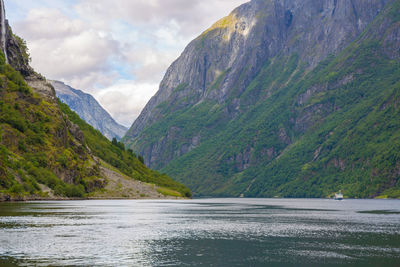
(352, 141)
(37, 148)
(35, 145)
(123, 160)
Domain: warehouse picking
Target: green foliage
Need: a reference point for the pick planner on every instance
(12, 117)
(120, 145)
(141, 159)
(69, 190)
(33, 141)
(16, 189)
(25, 50)
(305, 134)
(15, 80)
(130, 151)
(168, 192)
(114, 153)
(5, 181)
(37, 147)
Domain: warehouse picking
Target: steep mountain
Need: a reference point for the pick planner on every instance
(294, 98)
(47, 151)
(89, 109)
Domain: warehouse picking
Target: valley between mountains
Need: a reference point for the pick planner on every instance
(281, 98)
(48, 152)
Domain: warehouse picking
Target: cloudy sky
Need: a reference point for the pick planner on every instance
(116, 50)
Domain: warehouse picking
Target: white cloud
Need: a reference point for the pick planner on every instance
(49, 23)
(125, 99)
(116, 50)
(92, 81)
(63, 48)
(151, 64)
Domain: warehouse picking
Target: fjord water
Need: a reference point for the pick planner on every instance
(205, 232)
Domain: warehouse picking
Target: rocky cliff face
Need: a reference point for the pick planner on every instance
(89, 110)
(16, 54)
(222, 61)
(248, 91)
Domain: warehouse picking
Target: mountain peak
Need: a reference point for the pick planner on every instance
(265, 100)
(87, 107)
(233, 50)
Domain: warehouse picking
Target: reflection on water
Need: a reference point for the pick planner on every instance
(209, 232)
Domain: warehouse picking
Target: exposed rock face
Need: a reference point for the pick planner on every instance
(41, 86)
(17, 56)
(221, 62)
(89, 110)
(282, 98)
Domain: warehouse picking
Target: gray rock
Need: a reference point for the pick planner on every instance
(222, 61)
(89, 110)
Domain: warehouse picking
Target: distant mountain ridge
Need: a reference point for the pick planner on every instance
(87, 107)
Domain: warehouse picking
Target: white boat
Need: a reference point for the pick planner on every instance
(338, 196)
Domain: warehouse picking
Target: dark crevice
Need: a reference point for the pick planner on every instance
(288, 18)
(205, 74)
(334, 7)
(354, 10)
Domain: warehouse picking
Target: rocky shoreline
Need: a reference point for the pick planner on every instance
(8, 198)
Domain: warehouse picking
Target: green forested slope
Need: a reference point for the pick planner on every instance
(36, 146)
(48, 151)
(115, 154)
(300, 133)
